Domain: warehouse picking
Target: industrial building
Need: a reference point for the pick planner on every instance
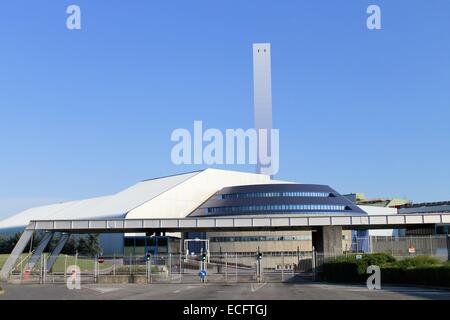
(207, 193)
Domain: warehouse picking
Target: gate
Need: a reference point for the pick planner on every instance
(169, 268)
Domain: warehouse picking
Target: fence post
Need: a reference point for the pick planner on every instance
(147, 273)
(170, 266)
(21, 270)
(130, 264)
(150, 268)
(114, 264)
(431, 245)
(65, 268)
(313, 262)
(96, 266)
(226, 267)
(44, 268)
(236, 269)
(40, 271)
(392, 246)
(282, 267)
(181, 266)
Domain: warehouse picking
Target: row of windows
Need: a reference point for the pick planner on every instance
(277, 207)
(266, 253)
(294, 212)
(275, 194)
(261, 238)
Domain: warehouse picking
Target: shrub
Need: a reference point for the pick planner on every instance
(350, 269)
(419, 270)
(432, 275)
(342, 271)
(416, 262)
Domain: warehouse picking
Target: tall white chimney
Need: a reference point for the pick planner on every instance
(262, 91)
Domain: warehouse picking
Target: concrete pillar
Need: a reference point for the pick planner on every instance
(15, 254)
(327, 240)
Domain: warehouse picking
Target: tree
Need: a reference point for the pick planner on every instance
(12, 241)
(94, 244)
(3, 245)
(70, 246)
(83, 246)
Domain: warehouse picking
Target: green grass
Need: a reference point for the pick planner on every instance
(84, 264)
(3, 258)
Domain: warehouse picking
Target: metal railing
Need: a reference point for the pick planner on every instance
(409, 246)
(219, 267)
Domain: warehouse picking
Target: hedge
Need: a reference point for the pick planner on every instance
(418, 270)
(433, 276)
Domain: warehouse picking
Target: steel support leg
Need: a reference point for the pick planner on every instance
(55, 253)
(39, 249)
(15, 254)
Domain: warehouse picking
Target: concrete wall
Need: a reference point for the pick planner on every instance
(270, 246)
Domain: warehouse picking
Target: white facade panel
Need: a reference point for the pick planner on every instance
(378, 220)
(134, 224)
(224, 222)
(44, 225)
(338, 221)
(82, 224)
(206, 223)
(169, 223)
(115, 224)
(152, 224)
(62, 224)
(243, 222)
(276, 222)
(432, 219)
(396, 219)
(414, 219)
(188, 223)
(97, 224)
(299, 221)
(319, 221)
(261, 222)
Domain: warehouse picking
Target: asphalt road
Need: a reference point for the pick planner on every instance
(241, 291)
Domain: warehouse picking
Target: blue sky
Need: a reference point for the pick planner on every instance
(89, 112)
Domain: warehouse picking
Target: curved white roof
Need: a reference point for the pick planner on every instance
(113, 206)
(167, 197)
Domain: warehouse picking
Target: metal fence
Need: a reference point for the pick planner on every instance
(170, 268)
(399, 247)
(223, 267)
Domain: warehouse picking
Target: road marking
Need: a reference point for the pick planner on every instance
(103, 290)
(183, 289)
(257, 287)
(383, 290)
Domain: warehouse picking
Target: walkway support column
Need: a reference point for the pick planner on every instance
(55, 253)
(39, 249)
(15, 254)
(327, 241)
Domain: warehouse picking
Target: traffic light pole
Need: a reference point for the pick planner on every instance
(258, 266)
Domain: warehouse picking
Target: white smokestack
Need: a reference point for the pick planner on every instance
(262, 82)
